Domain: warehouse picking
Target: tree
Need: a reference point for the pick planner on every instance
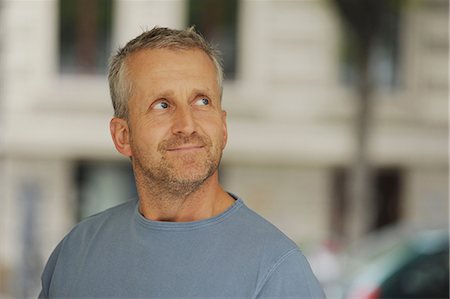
(363, 20)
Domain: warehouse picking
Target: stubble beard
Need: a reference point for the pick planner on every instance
(175, 177)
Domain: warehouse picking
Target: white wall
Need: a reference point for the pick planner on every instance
(295, 199)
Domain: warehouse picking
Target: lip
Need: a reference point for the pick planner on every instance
(185, 148)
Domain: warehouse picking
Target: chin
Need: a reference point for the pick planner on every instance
(185, 185)
(192, 176)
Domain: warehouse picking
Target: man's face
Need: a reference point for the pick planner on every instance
(176, 124)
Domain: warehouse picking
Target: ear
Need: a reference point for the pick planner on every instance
(120, 134)
(225, 130)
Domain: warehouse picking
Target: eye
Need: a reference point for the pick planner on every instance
(161, 105)
(202, 102)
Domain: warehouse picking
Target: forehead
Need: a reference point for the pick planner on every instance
(162, 63)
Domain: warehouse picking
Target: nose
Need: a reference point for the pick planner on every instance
(183, 122)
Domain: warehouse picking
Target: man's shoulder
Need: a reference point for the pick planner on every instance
(261, 225)
(263, 233)
(287, 273)
(127, 206)
(104, 220)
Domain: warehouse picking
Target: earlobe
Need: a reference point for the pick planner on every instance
(120, 134)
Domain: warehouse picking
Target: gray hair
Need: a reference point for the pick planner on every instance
(157, 38)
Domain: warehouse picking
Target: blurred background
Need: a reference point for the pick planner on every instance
(338, 129)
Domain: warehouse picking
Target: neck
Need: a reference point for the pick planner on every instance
(159, 204)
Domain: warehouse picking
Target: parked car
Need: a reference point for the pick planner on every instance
(411, 267)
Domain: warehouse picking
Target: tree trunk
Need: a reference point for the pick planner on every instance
(360, 186)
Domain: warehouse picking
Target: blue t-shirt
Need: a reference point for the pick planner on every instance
(119, 253)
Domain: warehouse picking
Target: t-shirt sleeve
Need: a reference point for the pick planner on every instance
(47, 275)
(291, 277)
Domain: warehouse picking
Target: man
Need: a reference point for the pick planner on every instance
(185, 237)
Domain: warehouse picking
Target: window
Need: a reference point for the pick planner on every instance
(387, 194)
(216, 20)
(425, 275)
(386, 199)
(84, 35)
(384, 61)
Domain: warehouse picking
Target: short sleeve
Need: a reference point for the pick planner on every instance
(47, 275)
(291, 277)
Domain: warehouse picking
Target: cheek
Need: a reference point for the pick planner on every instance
(218, 134)
(147, 136)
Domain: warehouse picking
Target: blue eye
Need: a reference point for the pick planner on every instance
(161, 106)
(202, 102)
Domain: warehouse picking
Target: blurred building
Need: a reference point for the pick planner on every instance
(290, 106)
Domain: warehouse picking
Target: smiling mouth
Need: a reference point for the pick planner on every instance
(185, 148)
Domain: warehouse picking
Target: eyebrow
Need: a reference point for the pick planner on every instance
(204, 91)
(163, 94)
(170, 93)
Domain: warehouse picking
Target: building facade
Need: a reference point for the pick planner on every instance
(291, 112)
